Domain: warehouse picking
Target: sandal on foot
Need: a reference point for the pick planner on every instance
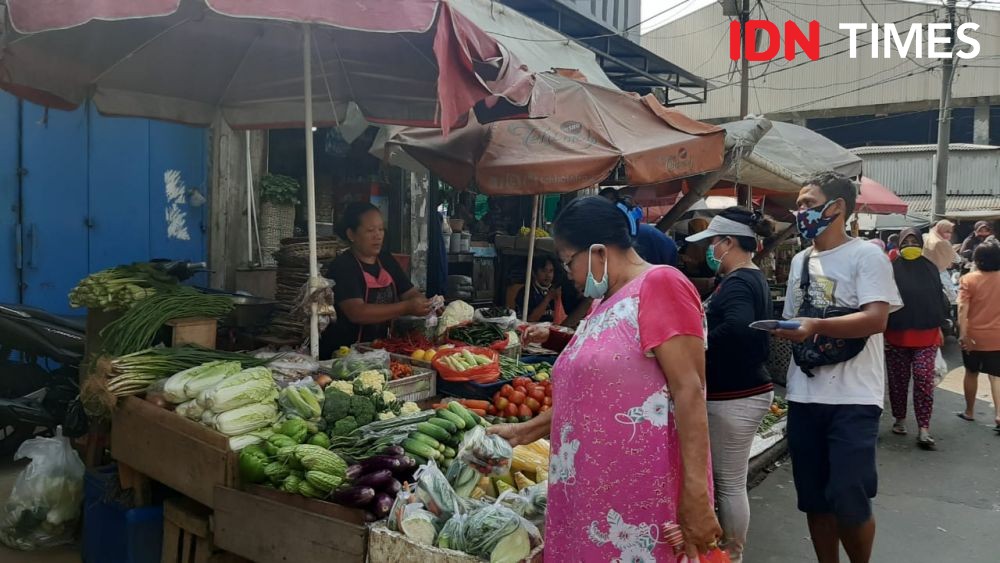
(899, 428)
(926, 442)
(965, 417)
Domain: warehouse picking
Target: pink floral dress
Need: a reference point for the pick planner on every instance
(615, 469)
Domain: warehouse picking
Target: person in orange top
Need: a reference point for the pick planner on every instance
(913, 336)
(979, 326)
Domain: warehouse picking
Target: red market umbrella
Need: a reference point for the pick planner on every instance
(879, 200)
(410, 62)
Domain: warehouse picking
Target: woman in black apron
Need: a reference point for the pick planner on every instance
(370, 288)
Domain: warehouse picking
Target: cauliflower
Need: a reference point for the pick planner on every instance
(344, 386)
(386, 415)
(370, 382)
(409, 407)
(388, 397)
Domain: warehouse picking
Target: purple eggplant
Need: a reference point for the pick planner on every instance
(392, 488)
(369, 517)
(394, 451)
(407, 465)
(355, 471)
(376, 480)
(382, 505)
(379, 462)
(357, 497)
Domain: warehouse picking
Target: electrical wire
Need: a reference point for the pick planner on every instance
(852, 91)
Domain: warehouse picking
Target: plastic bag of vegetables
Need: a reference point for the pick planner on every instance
(487, 453)
(302, 399)
(44, 505)
(350, 366)
(498, 534)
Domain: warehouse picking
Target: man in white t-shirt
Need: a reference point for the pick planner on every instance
(834, 413)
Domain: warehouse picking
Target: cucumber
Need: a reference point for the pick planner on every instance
(421, 437)
(419, 459)
(421, 449)
(455, 419)
(444, 424)
(433, 430)
(449, 453)
(459, 410)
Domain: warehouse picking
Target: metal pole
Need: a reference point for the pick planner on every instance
(939, 189)
(531, 257)
(310, 190)
(249, 202)
(744, 64)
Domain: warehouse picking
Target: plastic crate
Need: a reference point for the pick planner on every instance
(417, 387)
(114, 533)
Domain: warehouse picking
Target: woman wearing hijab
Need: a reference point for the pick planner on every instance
(939, 250)
(913, 336)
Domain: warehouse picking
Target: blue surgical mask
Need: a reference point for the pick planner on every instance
(594, 289)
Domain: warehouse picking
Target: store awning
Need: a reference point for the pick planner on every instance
(958, 207)
(629, 65)
(891, 222)
(878, 199)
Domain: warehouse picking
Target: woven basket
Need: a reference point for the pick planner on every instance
(277, 221)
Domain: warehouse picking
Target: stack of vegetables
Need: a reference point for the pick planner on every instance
(232, 401)
(521, 401)
(118, 288)
(349, 405)
(439, 437)
(511, 368)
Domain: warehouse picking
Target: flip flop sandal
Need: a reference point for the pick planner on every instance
(965, 418)
(926, 443)
(899, 429)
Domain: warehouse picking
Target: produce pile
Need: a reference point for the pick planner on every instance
(480, 334)
(539, 232)
(118, 288)
(405, 346)
(777, 411)
(349, 405)
(521, 401)
(511, 368)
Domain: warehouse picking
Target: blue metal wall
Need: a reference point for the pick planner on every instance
(93, 195)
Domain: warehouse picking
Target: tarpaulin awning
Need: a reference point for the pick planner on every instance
(593, 133)
(787, 156)
(409, 62)
(878, 199)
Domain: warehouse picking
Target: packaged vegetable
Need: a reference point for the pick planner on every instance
(452, 534)
(434, 491)
(349, 367)
(487, 453)
(498, 534)
(44, 505)
(456, 313)
(418, 524)
(303, 399)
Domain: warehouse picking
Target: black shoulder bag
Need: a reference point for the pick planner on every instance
(822, 350)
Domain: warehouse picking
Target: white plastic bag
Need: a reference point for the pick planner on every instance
(940, 368)
(44, 506)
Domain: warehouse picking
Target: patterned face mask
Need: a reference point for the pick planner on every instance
(811, 222)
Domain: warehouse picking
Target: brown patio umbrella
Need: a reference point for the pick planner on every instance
(593, 132)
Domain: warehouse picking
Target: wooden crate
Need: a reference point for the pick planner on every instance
(184, 455)
(386, 546)
(196, 331)
(269, 526)
(187, 534)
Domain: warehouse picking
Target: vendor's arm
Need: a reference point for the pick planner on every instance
(413, 293)
(361, 313)
(524, 432)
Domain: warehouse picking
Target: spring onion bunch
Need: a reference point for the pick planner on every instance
(137, 328)
(118, 288)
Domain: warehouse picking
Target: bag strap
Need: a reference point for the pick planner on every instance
(804, 280)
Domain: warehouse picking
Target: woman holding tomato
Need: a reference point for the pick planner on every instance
(626, 465)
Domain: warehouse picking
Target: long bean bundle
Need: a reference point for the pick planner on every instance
(111, 378)
(137, 328)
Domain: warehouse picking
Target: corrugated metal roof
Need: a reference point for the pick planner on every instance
(970, 172)
(890, 149)
(921, 204)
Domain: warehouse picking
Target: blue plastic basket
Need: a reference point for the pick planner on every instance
(113, 533)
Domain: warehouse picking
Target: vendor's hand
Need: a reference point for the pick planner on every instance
(518, 434)
(698, 524)
(806, 330)
(419, 306)
(536, 334)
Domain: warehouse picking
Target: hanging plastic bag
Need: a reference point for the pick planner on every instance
(489, 454)
(506, 319)
(496, 532)
(44, 506)
(940, 368)
(351, 366)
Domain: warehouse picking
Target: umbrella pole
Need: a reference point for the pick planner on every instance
(531, 257)
(249, 202)
(310, 191)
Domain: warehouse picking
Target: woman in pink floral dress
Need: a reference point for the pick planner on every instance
(629, 429)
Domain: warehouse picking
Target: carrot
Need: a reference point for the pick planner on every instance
(480, 412)
(439, 406)
(475, 404)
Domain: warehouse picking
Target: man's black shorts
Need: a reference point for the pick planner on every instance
(982, 361)
(833, 458)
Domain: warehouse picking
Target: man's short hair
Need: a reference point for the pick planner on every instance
(987, 256)
(835, 186)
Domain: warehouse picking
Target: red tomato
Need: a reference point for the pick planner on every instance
(501, 403)
(517, 397)
(547, 401)
(522, 382)
(491, 410)
(506, 390)
(495, 397)
(538, 394)
(511, 410)
(545, 408)
(532, 404)
(523, 410)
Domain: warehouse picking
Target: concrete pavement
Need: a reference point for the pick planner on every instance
(932, 507)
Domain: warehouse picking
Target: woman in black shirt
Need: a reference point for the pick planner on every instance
(739, 387)
(370, 287)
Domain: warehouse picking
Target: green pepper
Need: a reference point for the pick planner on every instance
(319, 439)
(295, 428)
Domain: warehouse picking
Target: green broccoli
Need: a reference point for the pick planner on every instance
(362, 409)
(337, 405)
(344, 426)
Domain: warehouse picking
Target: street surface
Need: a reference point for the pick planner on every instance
(932, 507)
